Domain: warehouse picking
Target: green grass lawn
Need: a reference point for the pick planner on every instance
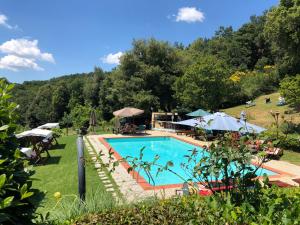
(59, 174)
(291, 156)
(260, 113)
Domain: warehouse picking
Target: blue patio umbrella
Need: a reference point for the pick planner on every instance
(224, 122)
(198, 113)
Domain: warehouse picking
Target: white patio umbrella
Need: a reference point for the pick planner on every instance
(36, 133)
(49, 126)
(222, 121)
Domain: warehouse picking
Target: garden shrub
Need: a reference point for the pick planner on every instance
(80, 117)
(290, 143)
(254, 84)
(16, 203)
(271, 206)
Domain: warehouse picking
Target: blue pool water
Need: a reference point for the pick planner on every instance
(168, 149)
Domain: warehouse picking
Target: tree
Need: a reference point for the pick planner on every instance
(92, 86)
(153, 66)
(66, 122)
(205, 84)
(60, 100)
(80, 115)
(290, 89)
(282, 27)
(41, 109)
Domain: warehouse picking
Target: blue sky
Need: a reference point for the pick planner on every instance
(44, 39)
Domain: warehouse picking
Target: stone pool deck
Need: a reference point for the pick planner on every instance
(133, 191)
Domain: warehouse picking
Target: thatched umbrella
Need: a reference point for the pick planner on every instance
(93, 120)
(128, 112)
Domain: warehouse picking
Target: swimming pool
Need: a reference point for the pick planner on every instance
(168, 149)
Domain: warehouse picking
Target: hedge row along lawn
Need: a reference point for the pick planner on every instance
(274, 206)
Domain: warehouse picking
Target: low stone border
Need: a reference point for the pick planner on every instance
(109, 186)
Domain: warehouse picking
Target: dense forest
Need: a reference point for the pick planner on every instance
(227, 69)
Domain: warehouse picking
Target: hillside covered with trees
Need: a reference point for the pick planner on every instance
(228, 69)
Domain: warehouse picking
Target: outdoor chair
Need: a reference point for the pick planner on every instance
(125, 129)
(128, 129)
(141, 129)
(181, 132)
(274, 152)
(45, 145)
(250, 104)
(190, 133)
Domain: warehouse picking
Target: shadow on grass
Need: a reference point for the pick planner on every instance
(49, 161)
(58, 147)
(38, 197)
(53, 160)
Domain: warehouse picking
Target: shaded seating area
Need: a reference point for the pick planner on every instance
(125, 122)
(36, 141)
(163, 121)
(219, 123)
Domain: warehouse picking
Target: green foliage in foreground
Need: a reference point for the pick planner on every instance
(272, 206)
(16, 206)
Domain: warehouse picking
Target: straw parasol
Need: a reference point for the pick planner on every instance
(128, 112)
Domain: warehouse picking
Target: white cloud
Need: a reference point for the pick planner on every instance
(25, 48)
(189, 15)
(3, 22)
(112, 58)
(16, 63)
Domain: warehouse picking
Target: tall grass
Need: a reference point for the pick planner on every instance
(70, 207)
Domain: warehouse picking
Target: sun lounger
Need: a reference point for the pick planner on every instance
(274, 152)
(191, 133)
(250, 104)
(181, 132)
(195, 136)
